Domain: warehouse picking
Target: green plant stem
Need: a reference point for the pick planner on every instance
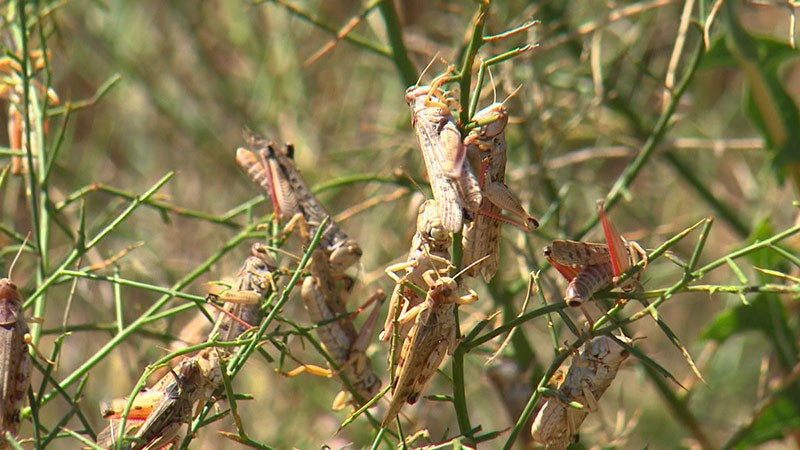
(726, 213)
(406, 70)
(475, 43)
(656, 136)
(157, 305)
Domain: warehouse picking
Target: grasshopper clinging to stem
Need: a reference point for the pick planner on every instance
(15, 360)
(273, 169)
(589, 266)
(486, 150)
(432, 336)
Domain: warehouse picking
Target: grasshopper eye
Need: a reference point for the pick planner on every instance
(437, 233)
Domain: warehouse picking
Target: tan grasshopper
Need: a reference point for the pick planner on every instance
(591, 373)
(242, 301)
(343, 343)
(486, 150)
(430, 249)
(589, 267)
(274, 170)
(15, 360)
(432, 336)
(453, 182)
(170, 403)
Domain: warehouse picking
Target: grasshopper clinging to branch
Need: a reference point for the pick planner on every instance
(486, 150)
(589, 267)
(453, 182)
(591, 373)
(274, 170)
(430, 250)
(432, 336)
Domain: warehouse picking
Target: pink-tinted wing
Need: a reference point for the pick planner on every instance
(568, 272)
(620, 261)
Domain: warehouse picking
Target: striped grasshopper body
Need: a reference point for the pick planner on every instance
(442, 150)
(242, 301)
(15, 361)
(591, 373)
(430, 249)
(486, 150)
(429, 340)
(343, 343)
(174, 397)
(274, 170)
(589, 266)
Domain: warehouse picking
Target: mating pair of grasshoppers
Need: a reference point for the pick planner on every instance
(452, 164)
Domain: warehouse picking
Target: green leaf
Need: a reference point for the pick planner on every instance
(767, 104)
(773, 424)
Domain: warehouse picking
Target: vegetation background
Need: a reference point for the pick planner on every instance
(672, 111)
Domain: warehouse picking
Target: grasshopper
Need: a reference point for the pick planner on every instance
(432, 336)
(452, 181)
(169, 404)
(242, 301)
(15, 361)
(274, 170)
(486, 150)
(343, 343)
(430, 249)
(591, 373)
(589, 266)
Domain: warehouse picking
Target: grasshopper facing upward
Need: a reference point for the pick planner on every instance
(341, 340)
(15, 361)
(430, 249)
(591, 373)
(453, 182)
(486, 150)
(429, 340)
(242, 301)
(589, 267)
(274, 170)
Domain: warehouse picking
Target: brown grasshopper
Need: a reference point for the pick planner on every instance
(430, 249)
(591, 373)
(453, 183)
(242, 301)
(343, 343)
(273, 169)
(486, 150)
(429, 340)
(15, 361)
(176, 394)
(589, 267)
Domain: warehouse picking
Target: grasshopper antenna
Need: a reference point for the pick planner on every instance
(425, 70)
(19, 252)
(473, 264)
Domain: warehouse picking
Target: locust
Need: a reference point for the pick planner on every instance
(590, 266)
(432, 336)
(346, 347)
(168, 404)
(15, 360)
(430, 250)
(591, 373)
(486, 152)
(453, 182)
(274, 171)
(242, 301)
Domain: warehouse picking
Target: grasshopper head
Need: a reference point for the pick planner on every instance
(9, 291)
